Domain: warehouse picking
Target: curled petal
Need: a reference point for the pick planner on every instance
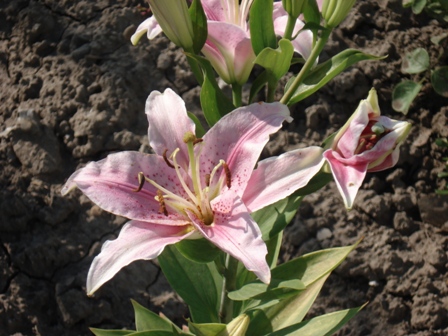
(303, 43)
(235, 232)
(278, 177)
(150, 26)
(136, 241)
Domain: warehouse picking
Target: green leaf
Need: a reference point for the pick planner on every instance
(198, 284)
(260, 21)
(415, 62)
(147, 320)
(418, 6)
(324, 325)
(159, 333)
(214, 102)
(104, 332)
(274, 218)
(255, 289)
(200, 131)
(439, 81)
(257, 85)
(404, 94)
(206, 329)
(274, 244)
(323, 73)
(287, 312)
(198, 250)
(276, 61)
(199, 21)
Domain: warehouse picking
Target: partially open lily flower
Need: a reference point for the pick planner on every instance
(194, 187)
(368, 142)
(228, 46)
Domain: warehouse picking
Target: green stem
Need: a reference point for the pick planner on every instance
(229, 284)
(237, 93)
(271, 93)
(307, 66)
(289, 27)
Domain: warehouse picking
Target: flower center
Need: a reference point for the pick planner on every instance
(199, 190)
(372, 133)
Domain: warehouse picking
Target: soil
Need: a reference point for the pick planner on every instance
(73, 90)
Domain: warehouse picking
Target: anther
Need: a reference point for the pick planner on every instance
(166, 159)
(198, 140)
(161, 200)
(141, 182)
(228, 175)
(207, 180)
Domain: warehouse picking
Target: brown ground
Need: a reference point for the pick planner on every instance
(73, 90)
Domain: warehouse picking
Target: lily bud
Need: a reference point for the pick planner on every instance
(175, 21)
(334, 11)
(368, 142)
(294, 7)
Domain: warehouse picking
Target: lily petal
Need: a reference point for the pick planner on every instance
(150, 26)
(239, 137)
(348, 178)
(136, 241)
(168, 123)
(236, 233)
(233, 44)
(110, 183)
(278, 177)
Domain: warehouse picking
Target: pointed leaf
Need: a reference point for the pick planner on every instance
(323, 73)
(159, 333)
(324, 325)
(196, 283)
(418, 6)
(415, 62)
(287, 312)
(147, 320)
(199, 21)
(311, 12)
(206, 329)
(439, 81)
(258, 289)
(260, 21)
(404, 94)
(105, 332)
(198, 250)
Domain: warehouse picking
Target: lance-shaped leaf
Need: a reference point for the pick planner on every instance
(147, 320)
(198, 250)
(324, 325)
(260, 21)
(439, 81)
(276, 61)
(105, 332)
(323, 73)
(199, 22)
(236, 327)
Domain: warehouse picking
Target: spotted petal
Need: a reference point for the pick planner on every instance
(239, 138)
(236, 233)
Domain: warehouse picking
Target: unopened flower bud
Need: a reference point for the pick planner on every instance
(173, 17)
(294, 7)
(335, 11)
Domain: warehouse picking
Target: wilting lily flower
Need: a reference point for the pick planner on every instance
(192, 188)
(368, 142)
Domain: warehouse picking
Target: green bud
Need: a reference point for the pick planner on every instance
(173, 17)
(334, 11)
(294, 7)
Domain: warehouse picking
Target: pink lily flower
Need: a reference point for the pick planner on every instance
(228, 46)
(368, 142)
(192, 188)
